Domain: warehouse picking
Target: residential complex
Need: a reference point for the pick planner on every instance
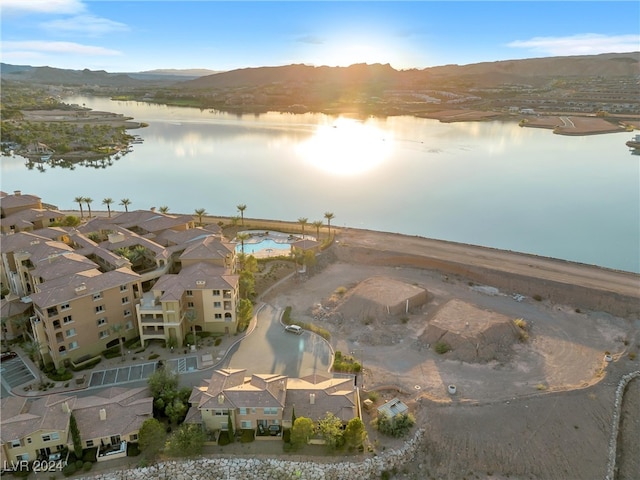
(266, 403)
(40, 429)
(89, 288)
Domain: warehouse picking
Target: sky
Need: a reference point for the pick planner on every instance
(134, 36)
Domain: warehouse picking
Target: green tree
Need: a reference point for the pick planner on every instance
(329, 216)
(151, 438)
(117, 329)
(125, 202)
(79, 201)
(75, 436)
(88, 201)
(303, 221)
(301, 432)
(241, 208)
(310, 258)
(230, 426)
(192, 317)
(163, 382)
(318, 225)
(330, 427)
(176, 410)
(242, 236)
(108, 201)
(187, 441)
(200, 212)
(246, 284)
(245, 313)
(355, 433)
(293, 415)
(396, 426)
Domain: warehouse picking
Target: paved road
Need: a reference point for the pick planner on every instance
(623, 283)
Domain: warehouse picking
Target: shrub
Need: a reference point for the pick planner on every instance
(537, 297)
(112, 352)
(153, 356)
(442, 348)
(341, 290)
(521, 323)
(373, 396)
(90, 454)
(223, 439)
(217, 342)
(69, 469)
(86, 466)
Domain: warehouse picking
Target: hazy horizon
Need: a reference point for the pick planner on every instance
(138, 36)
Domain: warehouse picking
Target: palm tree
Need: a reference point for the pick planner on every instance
(200, 212)
(191, 317)
(303, 221)
(33, 349)
(329, 216)
(117, 329)
(241, 208)
(108, 201)
(125, 202)
(242, 236)
(88, 201)
(163, 209)
(79, 201)
(318, 225)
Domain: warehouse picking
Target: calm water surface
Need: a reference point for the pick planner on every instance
(491, 183)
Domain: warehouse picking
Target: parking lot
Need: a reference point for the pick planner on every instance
(15, 372)
(142, 371)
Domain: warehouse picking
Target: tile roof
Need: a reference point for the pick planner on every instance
(15, 201)
(209, 248)
(22, 417)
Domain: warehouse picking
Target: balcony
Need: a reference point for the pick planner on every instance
(109, 452)
(152, 332)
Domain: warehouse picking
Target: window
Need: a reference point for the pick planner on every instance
(216, 293)
(217, 304)
(253, 410)
(23, 457)
(217, 316)
(14, 443)
(29, 440)
(70, 333)
(127, 313)
(100, 308)
(189, 293)
(65, 306)
(129, 325)
(97, 296)
(245, 424)
(47, 437)
(271, 411)
(89, 443)
(190, 305)
(73, 345)
(104, 333)
(124, 288)
(243, 411)
(125, 300)
(56, 324)
(134, 437)
(102, 321)
(67, 319)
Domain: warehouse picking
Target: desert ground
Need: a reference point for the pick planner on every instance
(537, 405)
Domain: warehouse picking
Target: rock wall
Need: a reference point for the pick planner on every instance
(227, 468)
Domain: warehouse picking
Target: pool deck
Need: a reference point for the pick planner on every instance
(258, 236)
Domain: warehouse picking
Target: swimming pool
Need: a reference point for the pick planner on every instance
(266, 244)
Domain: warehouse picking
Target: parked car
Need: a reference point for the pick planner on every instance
(274, 430)
(8, 356)
(293, 329)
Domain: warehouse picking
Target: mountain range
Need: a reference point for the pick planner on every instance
(535, 71)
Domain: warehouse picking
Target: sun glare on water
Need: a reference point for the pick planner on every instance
(346, 147)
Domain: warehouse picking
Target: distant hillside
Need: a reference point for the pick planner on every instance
(529, 71)
(185, 72)
(58, 76)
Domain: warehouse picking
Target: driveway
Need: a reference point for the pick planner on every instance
(269, 349)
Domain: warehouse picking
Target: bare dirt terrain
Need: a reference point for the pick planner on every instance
(541, 409)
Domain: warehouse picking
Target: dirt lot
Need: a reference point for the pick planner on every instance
(544, 412)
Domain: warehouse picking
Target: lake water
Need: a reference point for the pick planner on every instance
(485, 183)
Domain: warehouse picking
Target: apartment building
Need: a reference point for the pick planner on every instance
(140, 273)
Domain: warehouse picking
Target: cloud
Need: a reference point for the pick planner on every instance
(34, 48)
(310, 39)
(65, 7)
(583, 44)
(86, 25)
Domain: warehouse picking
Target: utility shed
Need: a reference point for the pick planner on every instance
(393, 407)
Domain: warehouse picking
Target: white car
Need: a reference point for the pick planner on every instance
(293, 329)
